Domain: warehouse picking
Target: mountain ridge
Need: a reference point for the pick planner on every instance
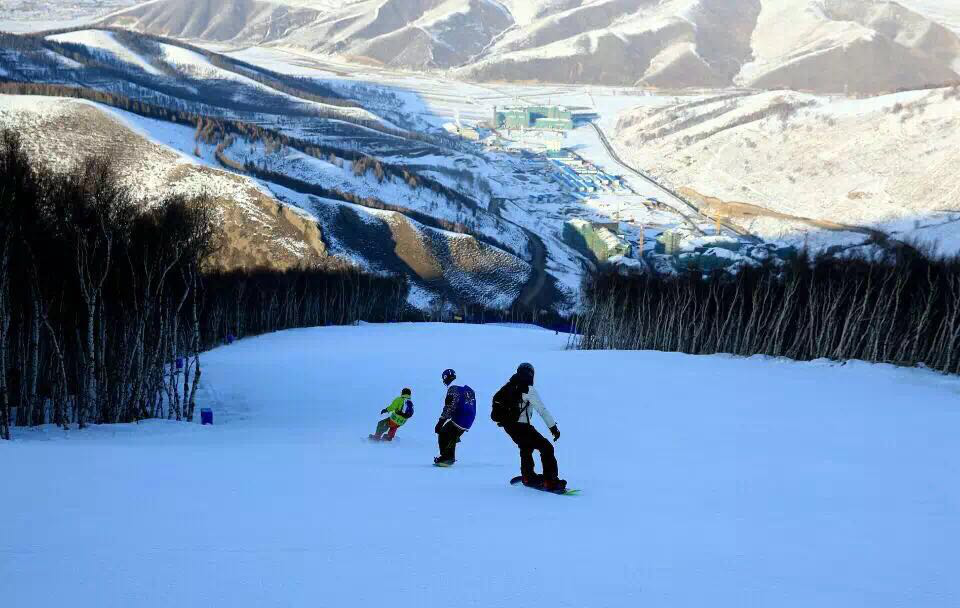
(822, 46)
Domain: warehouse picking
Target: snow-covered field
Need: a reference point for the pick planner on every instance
(707, 481)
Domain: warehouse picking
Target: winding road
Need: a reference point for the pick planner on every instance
(670, 192)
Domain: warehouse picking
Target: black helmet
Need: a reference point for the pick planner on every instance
(448, 376)
(525, 369)
(406, 391)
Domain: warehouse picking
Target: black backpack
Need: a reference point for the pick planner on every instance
(507, 404)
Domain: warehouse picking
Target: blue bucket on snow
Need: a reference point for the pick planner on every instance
(206, 415)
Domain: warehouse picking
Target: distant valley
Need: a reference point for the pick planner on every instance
(362, 133)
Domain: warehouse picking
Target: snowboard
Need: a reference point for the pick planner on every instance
(374, 439)
(442, 465)
(518, 481)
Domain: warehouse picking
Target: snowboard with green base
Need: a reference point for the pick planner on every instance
(567, 492)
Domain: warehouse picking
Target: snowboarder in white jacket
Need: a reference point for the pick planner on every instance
(512, 407)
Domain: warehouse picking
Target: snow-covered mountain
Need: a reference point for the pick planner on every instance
(246, 21)
(855, 46)
(258, 231)
(301, 172)
(265, 225)
(407, 33)
(778, 162)
(944, 12)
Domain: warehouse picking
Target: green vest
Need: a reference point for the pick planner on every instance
(395, 407)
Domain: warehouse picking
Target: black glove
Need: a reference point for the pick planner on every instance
(383, 411)
(439, 426)
(555, 432)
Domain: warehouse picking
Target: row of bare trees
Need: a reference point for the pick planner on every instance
(105, 308)
(94, 296)
(904, 311)
(247, 303)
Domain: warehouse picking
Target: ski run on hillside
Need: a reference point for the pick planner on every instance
(707, 481)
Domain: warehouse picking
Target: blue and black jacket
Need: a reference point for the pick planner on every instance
(460, 406)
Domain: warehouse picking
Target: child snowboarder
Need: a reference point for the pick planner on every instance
(511, 410)
(459, 412)
(400, 410)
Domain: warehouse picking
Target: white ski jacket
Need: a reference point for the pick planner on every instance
(532, 400)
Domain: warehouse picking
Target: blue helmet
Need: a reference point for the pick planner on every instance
(448, 376)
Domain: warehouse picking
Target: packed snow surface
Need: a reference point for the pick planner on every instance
(707, 481)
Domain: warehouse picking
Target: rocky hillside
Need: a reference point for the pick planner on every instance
(824, 46)
(258, 231)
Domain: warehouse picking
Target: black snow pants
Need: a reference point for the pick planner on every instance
(529, 439)
(448, 438)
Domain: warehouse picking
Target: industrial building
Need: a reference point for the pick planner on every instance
(686, 252)
(464, 131)
(583, 177)
(600, 240)
(554, 118)
(669, 243)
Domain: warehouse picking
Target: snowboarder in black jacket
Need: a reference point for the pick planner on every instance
(511, 410)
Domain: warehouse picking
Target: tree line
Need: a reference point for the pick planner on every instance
(181, 89)
(36, 62)
(222, 132)
(309, 89)
(904, 310)
(360, 168)
(217, 129)
(105, 305)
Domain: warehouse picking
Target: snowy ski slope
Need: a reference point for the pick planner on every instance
(708, 481)
(106, 42)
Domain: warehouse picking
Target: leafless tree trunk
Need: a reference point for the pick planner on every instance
(4, 334)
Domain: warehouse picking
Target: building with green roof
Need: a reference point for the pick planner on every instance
(552, 118)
